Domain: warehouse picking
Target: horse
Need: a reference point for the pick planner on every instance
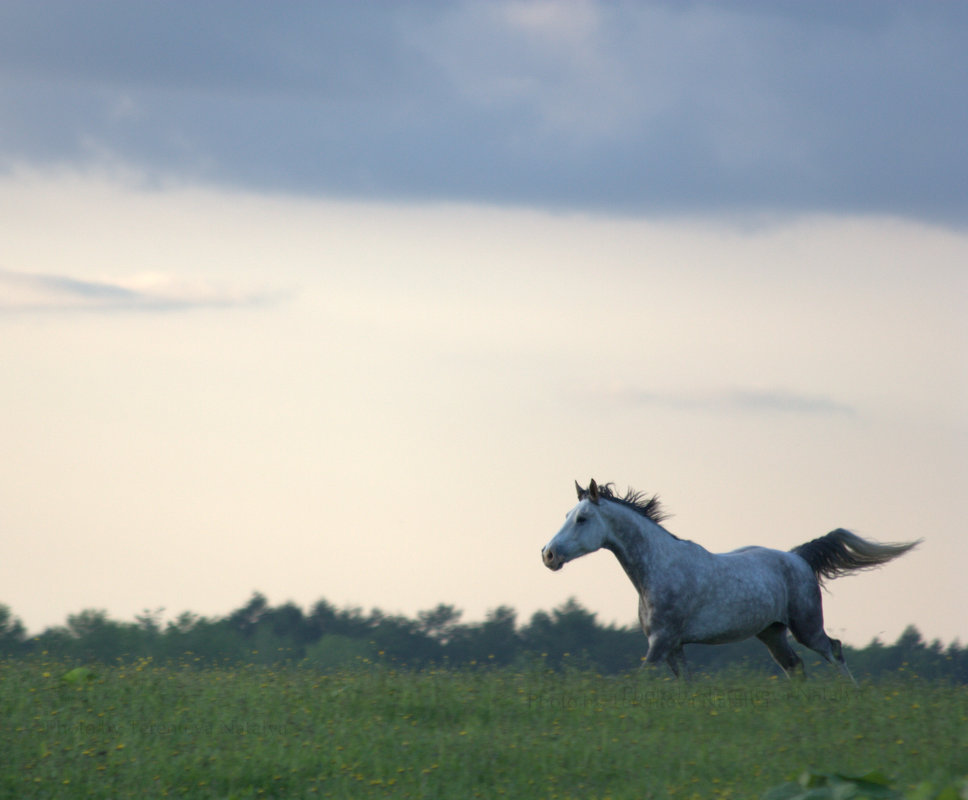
(689, 595)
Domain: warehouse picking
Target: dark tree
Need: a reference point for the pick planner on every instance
(245, 619)
(12, 632)
(439, 623)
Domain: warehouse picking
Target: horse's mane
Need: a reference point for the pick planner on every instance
(648, 507)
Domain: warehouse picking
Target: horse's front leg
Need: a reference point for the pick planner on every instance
(668, 649)
(678, 664)
(663, 644)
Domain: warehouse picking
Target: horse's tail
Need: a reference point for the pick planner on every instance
(841, 552)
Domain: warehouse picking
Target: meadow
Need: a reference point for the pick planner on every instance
(175, 729)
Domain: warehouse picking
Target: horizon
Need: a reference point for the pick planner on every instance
(165, 621)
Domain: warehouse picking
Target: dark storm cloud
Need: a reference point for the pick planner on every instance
(623, 107)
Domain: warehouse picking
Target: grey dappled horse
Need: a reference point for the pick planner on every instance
(689, 595)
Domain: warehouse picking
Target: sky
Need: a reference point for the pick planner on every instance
(338, 300)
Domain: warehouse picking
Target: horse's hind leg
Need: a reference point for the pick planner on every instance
(838, 654)
(817, 640)
(776, 641)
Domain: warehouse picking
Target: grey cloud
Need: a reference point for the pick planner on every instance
(745, 401)
(625, 107)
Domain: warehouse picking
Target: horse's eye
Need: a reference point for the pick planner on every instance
(581, 520)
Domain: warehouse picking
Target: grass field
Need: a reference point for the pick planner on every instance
(144, 729)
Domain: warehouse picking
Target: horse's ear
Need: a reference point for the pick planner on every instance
(581, 492)
(593, 491)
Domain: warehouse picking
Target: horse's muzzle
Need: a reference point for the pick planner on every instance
(551, 561)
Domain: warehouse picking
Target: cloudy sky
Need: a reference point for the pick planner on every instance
(337, 300)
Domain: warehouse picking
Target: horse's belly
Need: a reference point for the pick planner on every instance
(736, 611)
(713, 634)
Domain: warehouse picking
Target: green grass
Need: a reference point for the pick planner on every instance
(143, 729)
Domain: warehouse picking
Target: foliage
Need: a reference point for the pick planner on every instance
(821, 786)
(871, 786)
(331, 638)
(79, 675)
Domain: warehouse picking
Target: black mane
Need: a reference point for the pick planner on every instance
(648, 507)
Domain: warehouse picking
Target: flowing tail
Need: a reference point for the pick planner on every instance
(841, 552)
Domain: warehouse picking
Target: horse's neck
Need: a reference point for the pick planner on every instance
(640, 545)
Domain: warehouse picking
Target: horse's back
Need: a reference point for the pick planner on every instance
(773, 566)
(747, 590)
(768, 555)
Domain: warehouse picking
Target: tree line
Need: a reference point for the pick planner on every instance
(329, 638)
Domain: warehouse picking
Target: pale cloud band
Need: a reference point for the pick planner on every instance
(26, 292)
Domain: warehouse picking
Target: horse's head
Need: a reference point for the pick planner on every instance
(583, 532)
